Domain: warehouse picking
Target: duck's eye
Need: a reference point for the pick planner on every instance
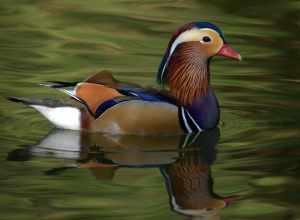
(206, 39)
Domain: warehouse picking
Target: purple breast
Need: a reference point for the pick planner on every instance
(205, 111)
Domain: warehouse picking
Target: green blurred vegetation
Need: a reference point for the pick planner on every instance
(259, 152)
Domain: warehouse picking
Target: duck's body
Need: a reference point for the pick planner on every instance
(188, 105)
(154, 114)
(128, 109)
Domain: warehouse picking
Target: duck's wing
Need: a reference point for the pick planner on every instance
(98, 98)
(102, 87)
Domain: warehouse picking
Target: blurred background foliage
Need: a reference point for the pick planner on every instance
(258, 153)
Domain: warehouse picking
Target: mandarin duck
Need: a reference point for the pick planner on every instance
(185, 104)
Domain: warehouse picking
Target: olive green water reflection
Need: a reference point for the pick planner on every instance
(184, 162)
(257, 159)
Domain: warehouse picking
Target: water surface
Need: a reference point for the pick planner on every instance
(253, 165)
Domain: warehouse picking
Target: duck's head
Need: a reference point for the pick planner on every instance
(185, 65)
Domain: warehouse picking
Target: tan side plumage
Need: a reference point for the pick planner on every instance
(138, 117)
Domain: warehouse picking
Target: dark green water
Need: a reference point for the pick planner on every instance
(256, 160)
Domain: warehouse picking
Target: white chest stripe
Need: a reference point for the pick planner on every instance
(195, 123)
(186, 124)
(189, 124)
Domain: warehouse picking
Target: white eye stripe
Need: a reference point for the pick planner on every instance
(184, 37)
(190, 35)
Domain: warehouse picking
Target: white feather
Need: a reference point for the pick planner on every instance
(62, 117)
(70, 91)
(194, 34)
(185, 121)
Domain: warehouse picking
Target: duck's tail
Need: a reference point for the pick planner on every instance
(61, 115)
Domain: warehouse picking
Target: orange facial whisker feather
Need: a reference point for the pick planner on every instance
(187, 73)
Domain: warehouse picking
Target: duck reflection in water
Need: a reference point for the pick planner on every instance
(189, 182)
(183, 160)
